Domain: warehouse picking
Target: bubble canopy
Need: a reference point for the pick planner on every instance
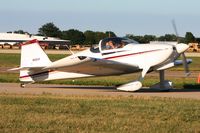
(115, 43)
(112, 43)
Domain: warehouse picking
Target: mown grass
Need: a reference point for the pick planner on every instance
(48, 113)
(12, 60)
(9, 77)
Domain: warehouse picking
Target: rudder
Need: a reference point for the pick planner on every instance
(33, 59)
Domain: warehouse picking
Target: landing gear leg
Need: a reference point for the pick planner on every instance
(163, 85)
(162, 78)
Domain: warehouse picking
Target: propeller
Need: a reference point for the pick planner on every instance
(187, 72)
(181, 47)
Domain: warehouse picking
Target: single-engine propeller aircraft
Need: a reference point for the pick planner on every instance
(113, 56)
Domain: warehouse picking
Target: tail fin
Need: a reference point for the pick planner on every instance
(32, 55)
(33, 59)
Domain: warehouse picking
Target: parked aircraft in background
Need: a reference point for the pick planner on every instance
(12, 39)
(113, 56)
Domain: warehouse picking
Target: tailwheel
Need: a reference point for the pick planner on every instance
(22, 85)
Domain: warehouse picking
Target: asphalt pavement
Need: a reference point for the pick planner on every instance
(70, 90)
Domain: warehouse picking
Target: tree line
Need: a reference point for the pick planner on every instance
(93, 37)
(189, 38)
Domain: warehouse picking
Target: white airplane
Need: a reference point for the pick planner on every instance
(113, 56)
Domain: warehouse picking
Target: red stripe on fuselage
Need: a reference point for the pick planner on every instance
(132, 54)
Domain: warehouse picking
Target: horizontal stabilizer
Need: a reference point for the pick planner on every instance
(25, 68)
(180, 62)
(175, 63)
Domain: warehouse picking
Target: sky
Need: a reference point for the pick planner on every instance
(138, 17)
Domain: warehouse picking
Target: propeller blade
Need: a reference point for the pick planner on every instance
(174, 27)
(181, 48)
(176, 31)
(185, 65)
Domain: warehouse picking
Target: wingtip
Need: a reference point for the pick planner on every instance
(14, 69)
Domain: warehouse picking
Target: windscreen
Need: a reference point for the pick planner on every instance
(115, 43)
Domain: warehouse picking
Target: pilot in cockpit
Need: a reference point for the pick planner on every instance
(110, 45)
(120, 44)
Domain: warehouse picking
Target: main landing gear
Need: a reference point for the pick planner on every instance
(163, 85)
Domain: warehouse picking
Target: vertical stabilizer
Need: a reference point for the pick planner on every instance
(32, 55)
(33, 59)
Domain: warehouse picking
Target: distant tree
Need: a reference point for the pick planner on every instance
(168, 37)
(92, 37)
(139, 39)
(161, 38)
(189, 37)
(89, 37)
(110, 34)
(18, 32)
(148, 38)
(75, 36)
(99, 36)
(50, 30)
(198, 40)
(21, 32)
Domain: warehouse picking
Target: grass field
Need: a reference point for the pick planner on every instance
(48, 113)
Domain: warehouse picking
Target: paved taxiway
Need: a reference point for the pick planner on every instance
(66, 90)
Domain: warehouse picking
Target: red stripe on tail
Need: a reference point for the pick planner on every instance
(29, 42)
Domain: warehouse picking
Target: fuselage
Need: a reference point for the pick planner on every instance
(132, 53)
